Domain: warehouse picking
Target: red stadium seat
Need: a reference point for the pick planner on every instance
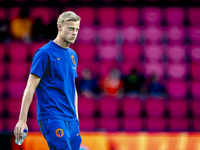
(108, 107)
(15, 50)
(13, 108)
(86, 107)
(195, 54)
(2, 14)
(14, 12)
(15, 89)
(34, 47)
(176, 53)
(179, 124)
(152, 15)
(175, 16)
(155, 108)
(111, 124)
(130, 34)
(195, 73)
(86, 14)
(33, 124)
(177, 72)
(195, 109)
(10, 124)
(108, 34)
(107, 12)
(1, 107)
(131, 107)
(195, 88)
(2, 52)
(108, 52)
(176, 34)
(156, 124)
(195, 34)
(87, 124)
(153, 53)
(131, 53)
(194, 15)
(177, 89)
(86, 34)
(2, 71)
(127, 13)
(86, 52)
(153, 34)
(178, 109)
(133, 124)
(41, 12)
(196, 124)
(2, 125)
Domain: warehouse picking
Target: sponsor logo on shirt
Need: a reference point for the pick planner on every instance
(59, 132)
(58, 58)
(73, 59)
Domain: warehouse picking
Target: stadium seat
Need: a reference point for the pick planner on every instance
(41, 12)
(195, 109)
(130, 34)
(177, 89)
(175, 16)
(176, 34)
(131, 53)
(33, 124)
(2, 52)
(133, 124)
(2, 71)
(194, 15)
(156, 124)
(111, 124)
(178, 109)
(108, 107)
(13, 107)
(176, 53)
(107, 34)
(18, 71)
(86, 34)
(155, 108)
(87, 124)
(153, 34)
(1, 107)
(195, 73)
(86, 14)
(86, 107)
(126, 67)
(195, 34)
(1, 92)
(177, 72)
(108, 52)
(154, 68)
(153, 53)
(1, 125)
(195, 54)
(178, 124)
(14, 12)
(127, 13)
(34, 47)
(131, 107)
(15, 89)
(152, 15)
(105, 13)
(195, 88)
(196, 124)
(16, 49)
(2, 13)
(9, 124)
(86, 53)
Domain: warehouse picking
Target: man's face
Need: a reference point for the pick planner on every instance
(69, 31)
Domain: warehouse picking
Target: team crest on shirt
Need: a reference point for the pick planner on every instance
(73, 59)
(59, 132)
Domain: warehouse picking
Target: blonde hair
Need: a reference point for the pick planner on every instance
(68, 16)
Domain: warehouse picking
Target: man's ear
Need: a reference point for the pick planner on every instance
(59, 27)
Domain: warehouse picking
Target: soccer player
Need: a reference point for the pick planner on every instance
(52, 75)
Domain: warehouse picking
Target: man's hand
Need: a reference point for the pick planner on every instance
(19, 128)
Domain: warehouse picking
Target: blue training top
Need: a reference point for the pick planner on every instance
(56, 66)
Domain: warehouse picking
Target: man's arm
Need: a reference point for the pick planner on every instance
(32, 83)
(76, 102)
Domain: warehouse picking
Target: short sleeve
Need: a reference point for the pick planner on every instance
(39, 64)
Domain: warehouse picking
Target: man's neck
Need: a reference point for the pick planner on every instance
(61, 43)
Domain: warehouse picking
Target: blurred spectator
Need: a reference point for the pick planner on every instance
(133, 82)
(38, 30)
(112, 84)
(4, 30)
(155, 88)
(88, 86)
(21, 27)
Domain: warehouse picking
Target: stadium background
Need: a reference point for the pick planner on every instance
(160, 37)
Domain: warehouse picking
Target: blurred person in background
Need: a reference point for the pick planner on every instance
(21, 27)
(112, 84)
(52, 75)
(88, 86)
